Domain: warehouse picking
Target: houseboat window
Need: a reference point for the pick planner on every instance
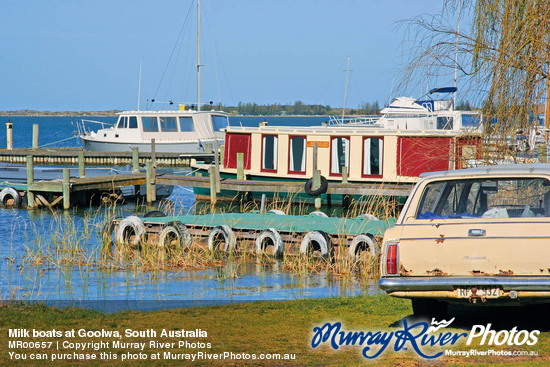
(373, 149)
(219, 122)
(133, 122)
(269, 152)
(339, 155)
(168, 124)
(150, 124)
(186, 124)
(297, 154)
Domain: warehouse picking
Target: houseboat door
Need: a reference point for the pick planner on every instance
(237, 143)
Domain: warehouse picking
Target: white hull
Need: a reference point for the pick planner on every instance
(160, 147)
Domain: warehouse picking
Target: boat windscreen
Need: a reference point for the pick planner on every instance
(219, 122)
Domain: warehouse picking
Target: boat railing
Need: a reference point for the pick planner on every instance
(357, 120)
(83, 129)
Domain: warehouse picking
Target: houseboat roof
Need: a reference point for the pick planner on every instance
(342, 130)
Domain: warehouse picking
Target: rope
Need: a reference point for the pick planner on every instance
(59, 141)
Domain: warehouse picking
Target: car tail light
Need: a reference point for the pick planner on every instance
(392, 259)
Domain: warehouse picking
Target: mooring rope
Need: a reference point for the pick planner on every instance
(59, 141)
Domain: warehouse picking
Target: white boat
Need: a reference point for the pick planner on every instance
(182, 131)
(406, 113)
(174, 131)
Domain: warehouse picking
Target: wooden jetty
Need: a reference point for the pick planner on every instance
(72, 190)
(76, 156)
(231, 231)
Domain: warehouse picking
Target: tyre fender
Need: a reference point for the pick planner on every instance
(367, 216)
(360, 242)
(130, 226)
(154, 214)
(317, 240)
(319, 214)
(177, 229)
(228, 237)
(276, 211)
(10, 193)
(272, 235)
(308, 187)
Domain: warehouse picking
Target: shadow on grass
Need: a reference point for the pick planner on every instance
(526, 317)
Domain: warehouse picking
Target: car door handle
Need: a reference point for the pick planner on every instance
(476, 232)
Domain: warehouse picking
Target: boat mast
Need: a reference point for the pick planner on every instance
(198, 55)
(345, 92)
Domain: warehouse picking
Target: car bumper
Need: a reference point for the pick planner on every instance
(447, 287)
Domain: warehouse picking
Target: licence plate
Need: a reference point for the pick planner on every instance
(486, 292)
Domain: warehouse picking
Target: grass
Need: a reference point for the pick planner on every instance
(270, 327)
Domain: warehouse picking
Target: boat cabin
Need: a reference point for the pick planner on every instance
(370, 155)
(173, 131)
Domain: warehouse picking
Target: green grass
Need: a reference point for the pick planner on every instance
(270, 327)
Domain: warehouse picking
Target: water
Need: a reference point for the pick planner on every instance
(30, 268)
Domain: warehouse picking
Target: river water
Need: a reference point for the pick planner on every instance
(49, 256)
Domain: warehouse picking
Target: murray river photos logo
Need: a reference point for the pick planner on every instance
(417, 336)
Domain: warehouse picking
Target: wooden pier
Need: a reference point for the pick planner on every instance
(72, 157)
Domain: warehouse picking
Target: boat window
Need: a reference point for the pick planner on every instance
(219, 122)
(297, 155)
(373, 149)
(168, 124)
(122, 122)
(150, 124)
(339, 155)
(486, 198)
(445, 123)
(269, 153)
(186, 124)
(133, 122)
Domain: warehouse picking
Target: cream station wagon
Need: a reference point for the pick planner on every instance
(477, 236)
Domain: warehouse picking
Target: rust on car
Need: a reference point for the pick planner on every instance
(436, 272)
(441, 239)
(402, 271)
(505, 272)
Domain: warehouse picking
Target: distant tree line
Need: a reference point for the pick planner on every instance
(298, 108)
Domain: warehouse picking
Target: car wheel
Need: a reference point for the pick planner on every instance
(429, 308)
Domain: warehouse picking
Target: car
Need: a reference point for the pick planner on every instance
(477, 236)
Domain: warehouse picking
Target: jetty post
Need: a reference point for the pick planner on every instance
(35, 132)
(213, 193)
(217, 165)
(81, 164)
(9, 135)
(66, 189)
(240, 166)
(153, 172)
(30, 180)
(316, 176)
(135, 160)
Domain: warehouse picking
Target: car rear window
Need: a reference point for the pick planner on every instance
(486, 198)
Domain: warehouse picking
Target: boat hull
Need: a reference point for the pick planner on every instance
(203, 193)
(91, 145)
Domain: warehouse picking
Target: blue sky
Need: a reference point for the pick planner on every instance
(85, 55)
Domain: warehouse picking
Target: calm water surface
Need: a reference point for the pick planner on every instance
(30, 269)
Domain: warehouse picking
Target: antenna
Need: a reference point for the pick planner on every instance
(198, 55)
(346, 91)
(139, 85)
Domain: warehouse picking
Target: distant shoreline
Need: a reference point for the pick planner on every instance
(30, 113)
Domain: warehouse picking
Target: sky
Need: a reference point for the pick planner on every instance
(76, 55)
